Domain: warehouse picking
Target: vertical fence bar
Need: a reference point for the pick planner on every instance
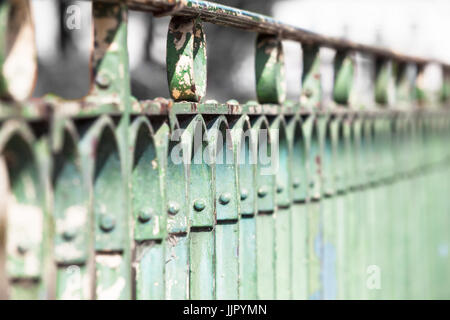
(25, 214)
(265, 228)
(271, 89)
(227, 213)
(177, 245)
(111, 79)
(311, 98)
(343, 82)
(283, 224)
(70, 213)
(245, 153)
(299, 214)
(148, 206)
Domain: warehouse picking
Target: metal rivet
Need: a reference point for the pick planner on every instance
(103, 80)
(279, 188)
(244, 194)
(145, 215)
(69, 234)
(262, 192)
(107, 223)
(173, 208)
(296, 184)
(311, 184)
(22, 248)
(199, 205)
(225, 198)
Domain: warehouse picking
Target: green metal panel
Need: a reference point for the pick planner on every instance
(25, 214)
(103, 169)
(227, 260)
(227, 213)
(177, 249)
(177, 267)
(150, 271)
(299, 213)
(149, 207)
(150, 152)
(70, 212)
(341, 208)
(283, 216)
(356, 218)
(201, 193)
(329, 274)
(201, 268)
(265, 221)
(247, 258)
(245, 151)
(316, 206)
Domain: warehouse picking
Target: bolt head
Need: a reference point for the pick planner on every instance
(244, 194)
(69, 234)
(262, 192)
(199, 205)
(308, 93)
(225, 198)
(296, 184)
(145, 215)
(280, 189)
(22, 248)
(103, 80)
(173, 208)
(107, 223)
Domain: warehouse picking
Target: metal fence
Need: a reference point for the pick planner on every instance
(101, 198)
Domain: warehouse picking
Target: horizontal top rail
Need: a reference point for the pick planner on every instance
(233, 17)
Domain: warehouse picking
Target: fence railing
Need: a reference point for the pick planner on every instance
(108, 197)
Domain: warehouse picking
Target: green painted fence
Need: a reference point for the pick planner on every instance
(102, 197)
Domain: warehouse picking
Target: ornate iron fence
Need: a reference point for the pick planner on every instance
(100, 201)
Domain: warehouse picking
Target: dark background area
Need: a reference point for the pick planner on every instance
(63, 65)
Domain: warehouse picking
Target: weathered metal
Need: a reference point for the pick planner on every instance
(108, 197)
(186, 59)
(242, 19)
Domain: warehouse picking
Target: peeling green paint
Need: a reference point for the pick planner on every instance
(186, 59)
(311, 93)
(343, 77)
(269, 68)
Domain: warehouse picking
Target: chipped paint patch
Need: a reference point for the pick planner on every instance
(112, 292)
(111, 283)
(186, 59)
(109, 261)
(24, 239)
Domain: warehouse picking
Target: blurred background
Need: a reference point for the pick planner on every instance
(414, 27)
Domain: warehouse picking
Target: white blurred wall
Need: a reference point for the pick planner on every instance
(414, 27)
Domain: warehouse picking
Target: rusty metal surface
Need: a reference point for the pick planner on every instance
(233, 17)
